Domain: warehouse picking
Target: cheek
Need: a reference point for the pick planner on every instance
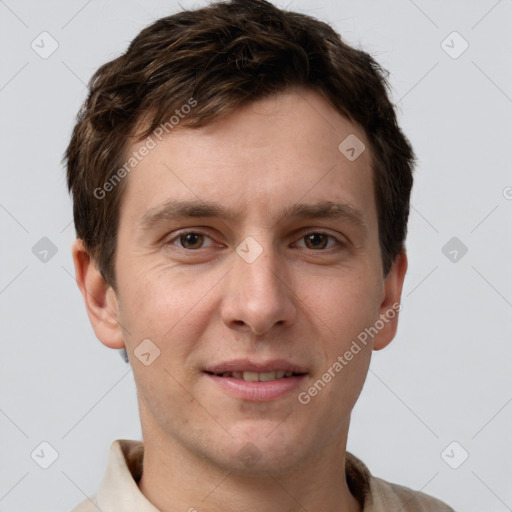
(173, 317)
(169, 307)
(345, 304)
(160, 392)
(173, 307)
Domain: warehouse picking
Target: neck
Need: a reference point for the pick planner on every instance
(176, 479)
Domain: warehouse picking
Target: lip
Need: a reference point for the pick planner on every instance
(246, 365)
(258, 391)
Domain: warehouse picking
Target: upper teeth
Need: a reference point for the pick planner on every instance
(255, 376)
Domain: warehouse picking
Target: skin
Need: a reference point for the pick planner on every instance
(299, 301)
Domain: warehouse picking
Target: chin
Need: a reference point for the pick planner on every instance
(262, 450)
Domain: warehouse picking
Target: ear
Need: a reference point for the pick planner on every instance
(99, 297)
(390, 305)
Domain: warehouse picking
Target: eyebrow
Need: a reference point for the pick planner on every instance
(173, 209)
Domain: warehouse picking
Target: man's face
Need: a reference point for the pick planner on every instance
(253, 286)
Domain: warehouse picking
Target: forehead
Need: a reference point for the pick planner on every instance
(264, 158)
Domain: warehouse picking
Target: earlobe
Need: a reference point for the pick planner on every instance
(390, 306)
(99, 298)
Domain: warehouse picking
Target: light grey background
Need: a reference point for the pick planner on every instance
(447, 375)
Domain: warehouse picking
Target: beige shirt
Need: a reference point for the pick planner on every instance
(119, 492)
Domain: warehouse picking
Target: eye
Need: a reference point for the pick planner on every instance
(318, 240)
(189, 240)
(195, 240)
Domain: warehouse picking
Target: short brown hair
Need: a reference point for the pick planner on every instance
(223, 56)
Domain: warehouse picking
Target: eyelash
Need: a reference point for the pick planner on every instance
(339, 243)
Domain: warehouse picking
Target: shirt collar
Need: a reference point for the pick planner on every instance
(119, 489)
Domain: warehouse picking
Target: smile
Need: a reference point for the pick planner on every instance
(257, 387)
(257, 376)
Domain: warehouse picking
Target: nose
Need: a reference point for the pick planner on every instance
(258, 294)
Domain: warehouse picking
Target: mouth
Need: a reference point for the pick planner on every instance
(257, 381)
(249, 376)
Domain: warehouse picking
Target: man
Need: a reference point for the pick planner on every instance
(241, 194)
